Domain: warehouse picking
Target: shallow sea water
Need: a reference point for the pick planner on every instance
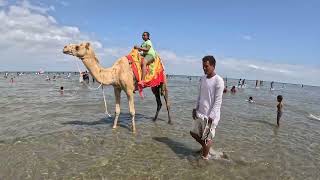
(45, 135)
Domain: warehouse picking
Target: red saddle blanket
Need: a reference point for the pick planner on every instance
(155, 74)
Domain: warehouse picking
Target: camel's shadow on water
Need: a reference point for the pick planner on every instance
(179, 148)
(124, 121)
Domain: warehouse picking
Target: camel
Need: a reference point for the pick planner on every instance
(120, 76)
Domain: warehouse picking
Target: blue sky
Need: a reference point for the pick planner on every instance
(269, 40)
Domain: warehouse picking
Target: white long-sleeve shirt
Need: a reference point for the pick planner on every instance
(210, 98)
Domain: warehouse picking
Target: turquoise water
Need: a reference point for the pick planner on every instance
(46, 135)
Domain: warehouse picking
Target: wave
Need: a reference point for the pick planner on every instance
(311, 116)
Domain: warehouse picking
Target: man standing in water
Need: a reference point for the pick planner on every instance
(206, 115)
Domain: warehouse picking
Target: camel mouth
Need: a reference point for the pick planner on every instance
(67, 52)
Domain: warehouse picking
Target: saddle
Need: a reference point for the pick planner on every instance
(155, 74)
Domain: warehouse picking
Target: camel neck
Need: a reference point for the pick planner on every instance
(102, 75)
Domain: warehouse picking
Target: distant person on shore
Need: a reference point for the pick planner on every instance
(279, 109)
(11, 80)
(206, 114)
(61, 90)
(233, 89)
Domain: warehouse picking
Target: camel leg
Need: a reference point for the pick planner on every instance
(117, 93)
(166, 98)
(131, 109)
(156, 92)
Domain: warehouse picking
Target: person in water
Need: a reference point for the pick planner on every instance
(279, 109)
(239, 83)
(206, 114)
(271, 86)
(225, 90)
(250, 100)
(243, 83)
(148, 53)
(61, 90)
(233, 89)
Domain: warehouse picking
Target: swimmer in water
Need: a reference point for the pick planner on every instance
(250, 100)
(61, 90)
(233, 89)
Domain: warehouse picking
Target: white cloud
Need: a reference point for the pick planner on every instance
(247, 37)
(240, 68)
(3, 3)
(26, 4)
(64, 3)
(32, 39)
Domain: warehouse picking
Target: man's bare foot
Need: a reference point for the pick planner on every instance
(206, 158)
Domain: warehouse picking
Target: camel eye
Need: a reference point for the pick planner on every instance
(77, 48)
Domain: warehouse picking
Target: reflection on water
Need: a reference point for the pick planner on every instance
(46, 135)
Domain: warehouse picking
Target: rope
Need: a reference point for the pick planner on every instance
(104, 97)
(105, 103)
(91, 87)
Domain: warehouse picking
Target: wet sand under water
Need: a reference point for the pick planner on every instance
(44, 135)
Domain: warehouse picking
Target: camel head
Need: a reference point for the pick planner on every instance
(78, 50)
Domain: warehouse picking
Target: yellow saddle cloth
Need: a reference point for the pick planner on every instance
(154, 74)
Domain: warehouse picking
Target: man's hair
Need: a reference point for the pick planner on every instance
(211, 60)
(147, 34)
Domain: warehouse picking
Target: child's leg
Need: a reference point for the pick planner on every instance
(278, 118)
(144, 69)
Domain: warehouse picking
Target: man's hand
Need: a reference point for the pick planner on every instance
(194, 114)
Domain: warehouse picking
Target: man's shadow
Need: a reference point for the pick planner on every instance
(124, 121)
(179, 148)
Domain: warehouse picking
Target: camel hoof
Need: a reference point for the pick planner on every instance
(114, 127)
(154, 119)
(170, 122)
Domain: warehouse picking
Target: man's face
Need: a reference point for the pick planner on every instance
(145, 36)
(207, 67)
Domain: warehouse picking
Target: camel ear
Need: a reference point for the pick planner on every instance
(87, 45)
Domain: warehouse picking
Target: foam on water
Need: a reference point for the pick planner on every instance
(311, 116)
